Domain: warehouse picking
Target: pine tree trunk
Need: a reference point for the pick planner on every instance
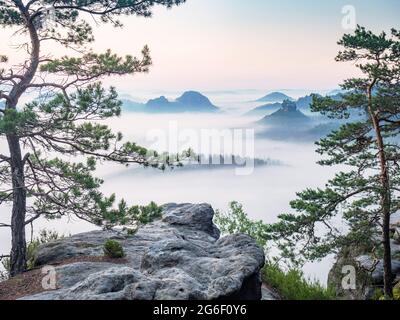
(385, 202)
(387, 255)
(386, 212)
(18, 242)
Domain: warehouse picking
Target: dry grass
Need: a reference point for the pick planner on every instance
(30, 282)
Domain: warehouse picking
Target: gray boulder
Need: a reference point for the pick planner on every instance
(180, 256)
(365, 262)
(395, 227)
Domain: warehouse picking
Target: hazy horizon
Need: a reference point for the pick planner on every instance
(234, 45)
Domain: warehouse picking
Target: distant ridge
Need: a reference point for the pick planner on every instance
(288, 115)
(303, 104)
(264, 109)
(132, 106)
(189, 101)
(274, 97)
(336, 92)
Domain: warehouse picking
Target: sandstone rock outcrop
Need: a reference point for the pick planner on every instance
(180, 256)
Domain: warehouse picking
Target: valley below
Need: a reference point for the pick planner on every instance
(265, 193)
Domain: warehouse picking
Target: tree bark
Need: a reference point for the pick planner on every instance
(385, 202)
(18, 242)
(386, 213)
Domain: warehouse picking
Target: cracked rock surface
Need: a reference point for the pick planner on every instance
(181, 256)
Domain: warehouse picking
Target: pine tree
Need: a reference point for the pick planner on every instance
(65, 117)
(355, 207)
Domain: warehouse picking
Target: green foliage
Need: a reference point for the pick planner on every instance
(93, 65)
(45, 236)
(9, 16)
(396, 293)
(237, 221)
(292, 284)
(348, 211)
(12, 120)
(131, 216)
(113, 249)
(65, 119)
(77, 193)
(379, 295)
(62, 188)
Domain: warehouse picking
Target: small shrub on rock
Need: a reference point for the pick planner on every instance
(236, 220)
(45, 236)
(113, 249)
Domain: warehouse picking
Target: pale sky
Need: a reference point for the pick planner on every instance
(239, 44)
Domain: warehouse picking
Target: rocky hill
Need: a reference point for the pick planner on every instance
(303, 104)
(190, 101)
(288, 115)
(274, 97)
(261, 111)
(181, 256)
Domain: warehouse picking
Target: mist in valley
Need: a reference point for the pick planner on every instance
(265, 192)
